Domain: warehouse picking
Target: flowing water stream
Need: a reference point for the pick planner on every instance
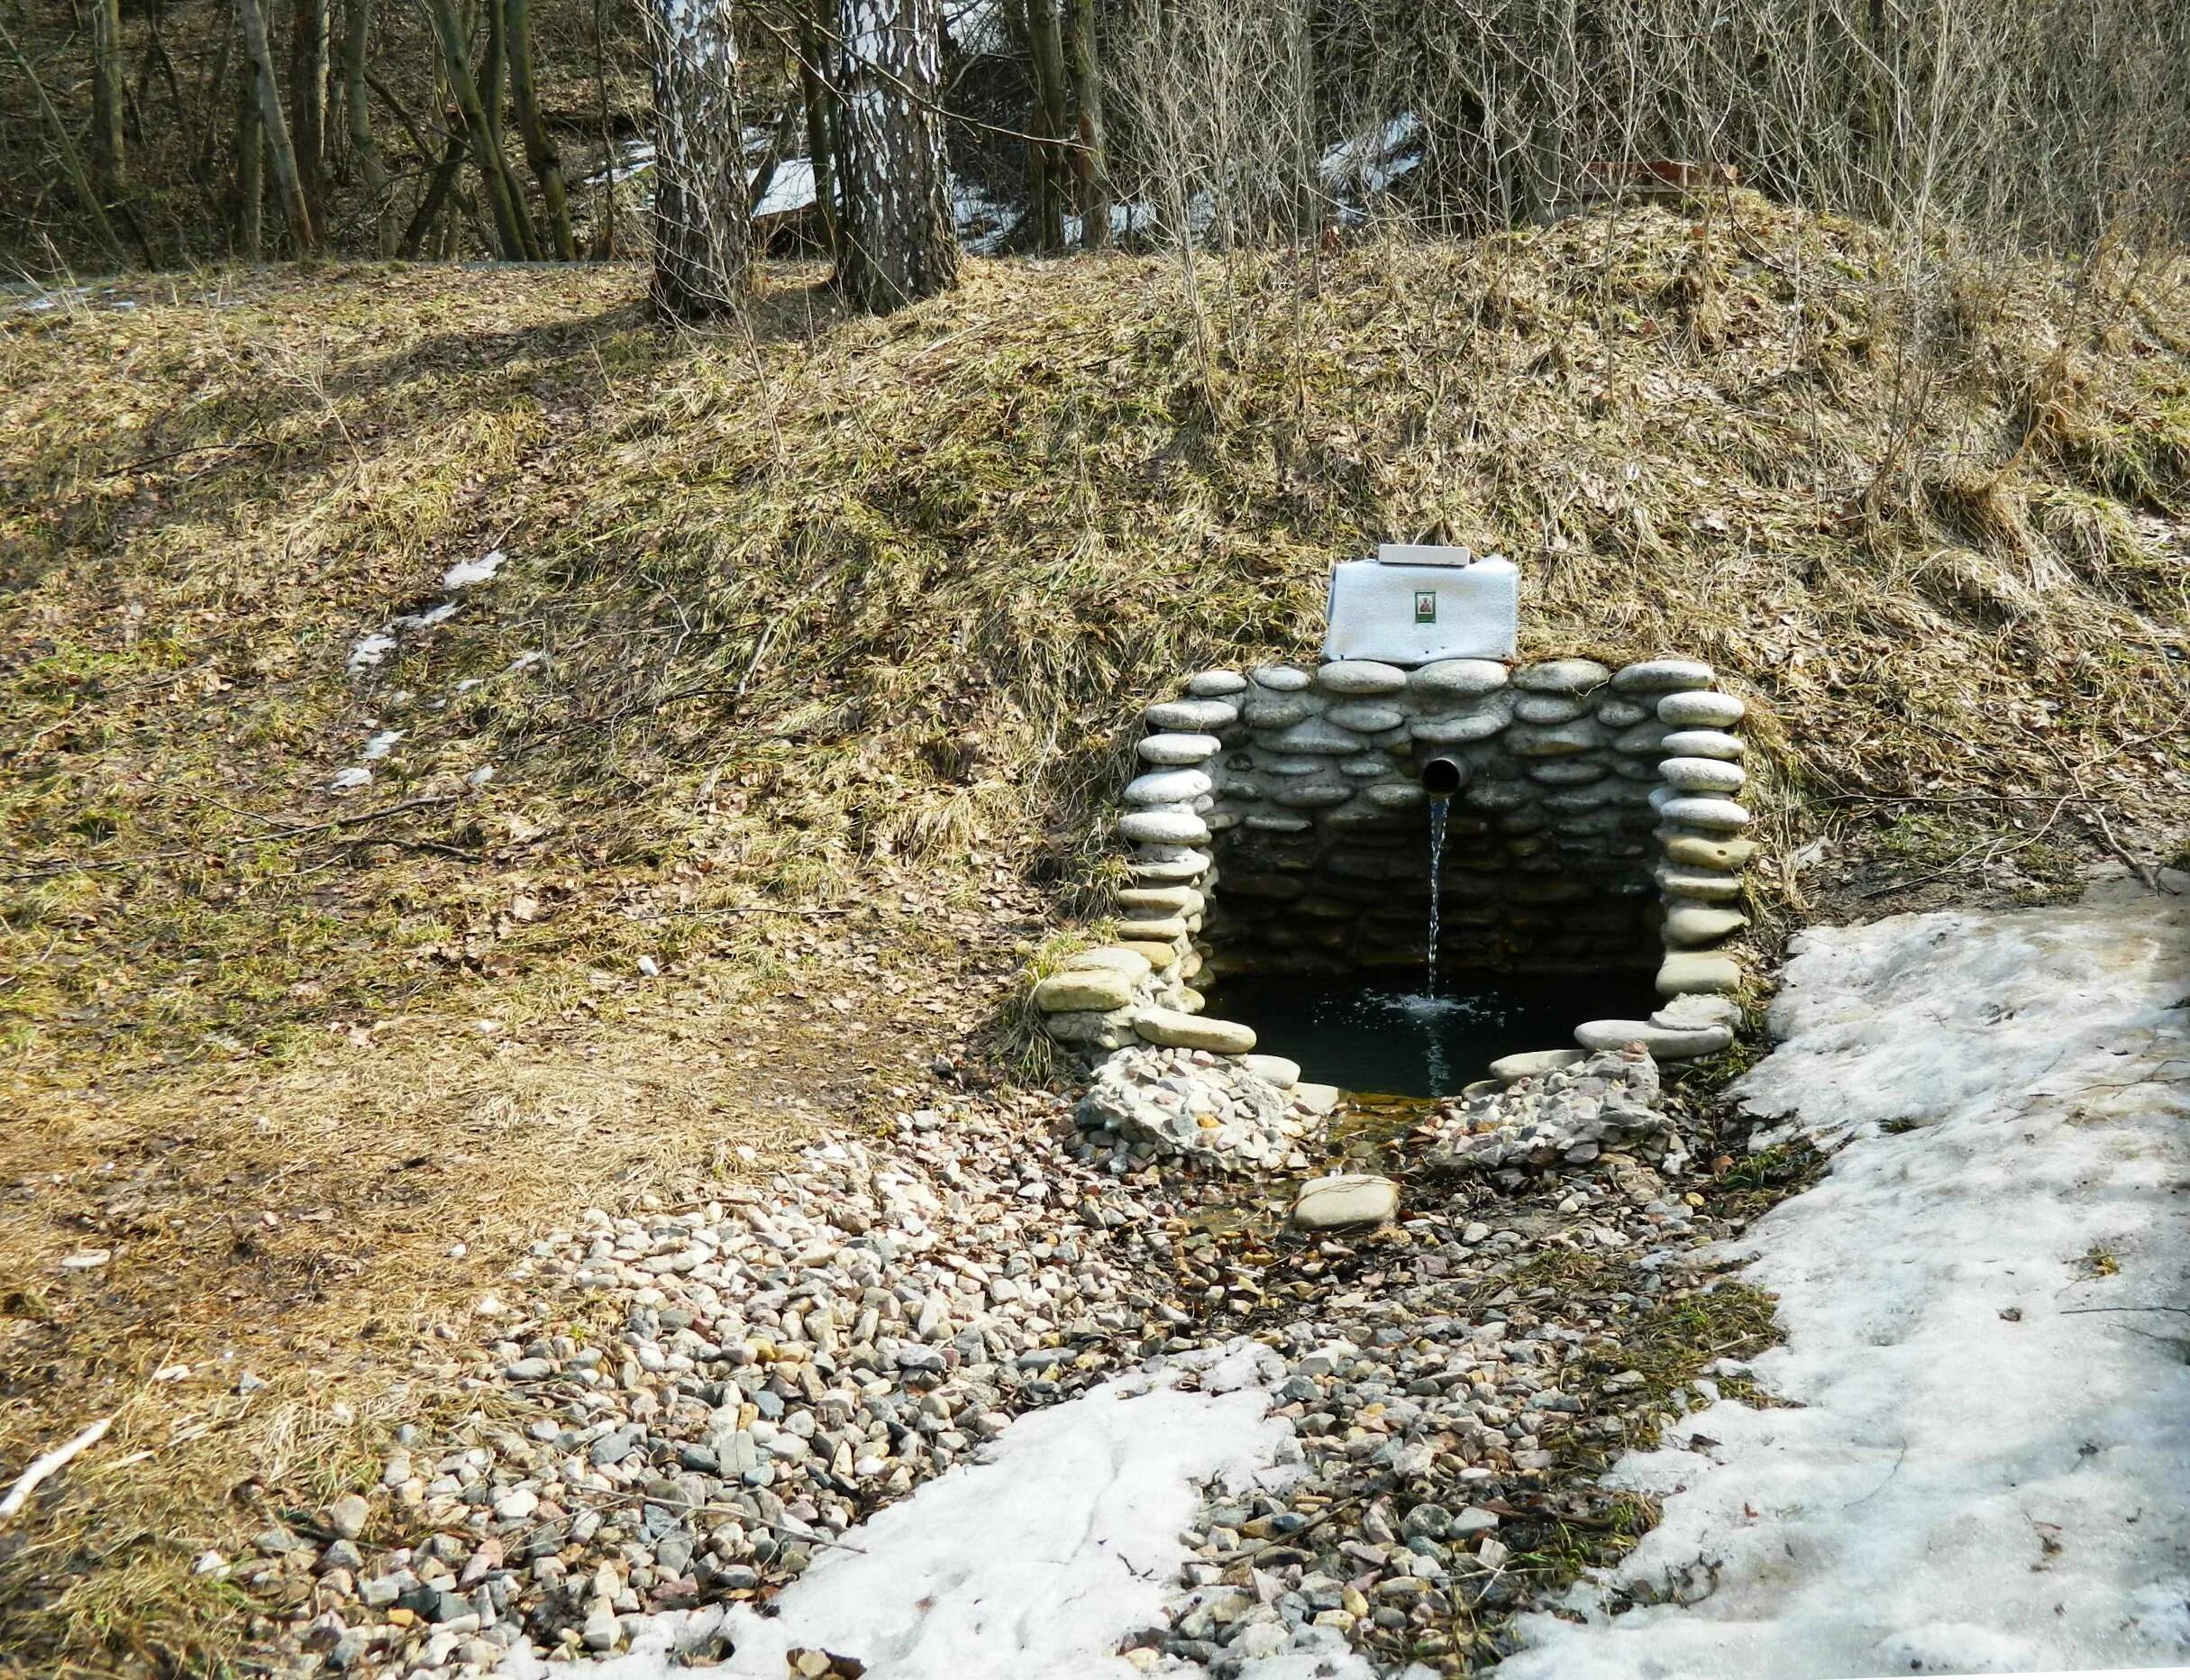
(1438, 809)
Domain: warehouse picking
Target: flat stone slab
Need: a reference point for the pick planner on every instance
(1694, 852)
(1689, 775)
(1459, 679)
(1666, 1044)
(1662, 676)
(1157, 956)
(1175, 787)
(1168, 750)
(1360, 676)
(1701, 924)
(1685, 971)
(1171, 901)
(1132, 964)
(1096, 988)
(1701, 708)
(1563, 675)
(1528, 1062)
(1698, 883)
(1705, 743)
(1348, 1199)
(1163, 828)
(1700, 1008)
(1143, 927)
(1191, 716)
(1706, 813)
(1178, 1030)
(1210, 684)
(1315, 1098)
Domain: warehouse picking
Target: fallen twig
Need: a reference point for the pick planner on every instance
(41, 1468)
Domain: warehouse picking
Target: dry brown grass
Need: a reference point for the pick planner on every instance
(840, 611)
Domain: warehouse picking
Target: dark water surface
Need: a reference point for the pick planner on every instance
(1376, 1032)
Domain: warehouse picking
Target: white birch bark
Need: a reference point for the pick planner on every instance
(897, 241)
(702, 231)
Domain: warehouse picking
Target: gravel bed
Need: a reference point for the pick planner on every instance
(684, 1406)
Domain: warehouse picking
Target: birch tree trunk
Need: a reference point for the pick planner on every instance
(898, 244)
(1092, 163)
(276, 126)
(703, 231)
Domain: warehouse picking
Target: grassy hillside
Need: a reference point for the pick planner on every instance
(811, 663)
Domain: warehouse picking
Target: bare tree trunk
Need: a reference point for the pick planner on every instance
(1045, 55)
(897, 245)
(703, 231)
(216, 80)
(63, 148)
(1092, 163)
(539, 150)
(251, 167)
(436, 195)
(276, 125)
(604, 229)
(505, 203)
(820, 121)
(107, 146)
(372, 174)
(309, 26)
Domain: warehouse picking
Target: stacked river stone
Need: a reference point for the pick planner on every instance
(1279, 822)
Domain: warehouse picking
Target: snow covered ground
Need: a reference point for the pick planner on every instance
(1987, 1469)
(1036, 1564)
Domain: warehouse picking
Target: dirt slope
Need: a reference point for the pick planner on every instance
(809, 665)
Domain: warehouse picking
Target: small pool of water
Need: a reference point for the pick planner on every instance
(1371, 1033)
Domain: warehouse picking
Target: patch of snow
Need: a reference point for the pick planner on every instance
(634, 156)
(1371, 160)
(382, 744)
(464, 574)
(370, 650)
(977, 26)
(480, 776)
(982, 221)
(790, 187)
(1988, 1466)
(356, 776)
(1034, 1564)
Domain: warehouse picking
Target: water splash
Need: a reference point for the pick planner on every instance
(1438, 809)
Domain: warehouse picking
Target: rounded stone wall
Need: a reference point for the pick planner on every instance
(1281, 821)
